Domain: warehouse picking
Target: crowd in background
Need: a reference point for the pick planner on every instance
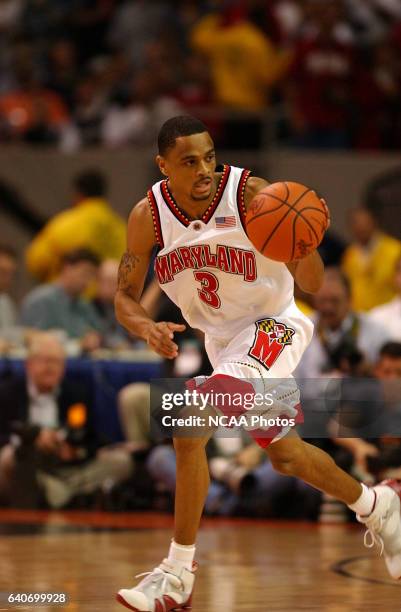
(51, 450)
(310, 73)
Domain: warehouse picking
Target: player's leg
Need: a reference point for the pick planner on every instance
(192, 485)
(377, 507)
(294, 457)
(170, 585)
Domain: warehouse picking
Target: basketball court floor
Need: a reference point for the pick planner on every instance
(245, 565)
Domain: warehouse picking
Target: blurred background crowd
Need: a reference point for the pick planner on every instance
(310, 73)
(74, 386)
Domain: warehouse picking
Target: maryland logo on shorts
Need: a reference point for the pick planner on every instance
(270, 339)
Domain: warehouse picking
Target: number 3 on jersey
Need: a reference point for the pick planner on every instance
(210, 285)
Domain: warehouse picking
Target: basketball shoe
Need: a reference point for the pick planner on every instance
(384, 525)
(162, 590)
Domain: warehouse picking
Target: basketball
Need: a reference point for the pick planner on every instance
(286, 221)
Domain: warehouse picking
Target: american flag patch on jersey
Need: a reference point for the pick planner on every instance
(229, 221)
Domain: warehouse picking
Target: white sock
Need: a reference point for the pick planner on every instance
(365, 503)
(180, 555)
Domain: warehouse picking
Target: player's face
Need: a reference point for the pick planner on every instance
(190, 166)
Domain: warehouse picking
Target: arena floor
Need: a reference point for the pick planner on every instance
(245, 565)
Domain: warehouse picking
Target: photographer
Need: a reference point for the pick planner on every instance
(378, 455)
(338, 330)
(49, 450)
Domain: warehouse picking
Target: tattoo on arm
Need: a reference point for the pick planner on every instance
(128, 263)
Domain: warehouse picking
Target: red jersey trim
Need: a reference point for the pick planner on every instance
(240, 196)
(209, 212)
(155, 217)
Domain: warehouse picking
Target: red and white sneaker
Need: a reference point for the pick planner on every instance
(162, 590)
(384, 525)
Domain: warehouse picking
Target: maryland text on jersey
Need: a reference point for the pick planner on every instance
(228, 259)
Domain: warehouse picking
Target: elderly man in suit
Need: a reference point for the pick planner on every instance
(49, 449)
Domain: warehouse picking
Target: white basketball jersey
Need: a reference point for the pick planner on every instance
(210, 269)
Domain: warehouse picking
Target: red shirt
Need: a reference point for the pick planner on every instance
(322, 72)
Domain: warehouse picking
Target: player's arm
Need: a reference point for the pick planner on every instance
(307, 272)
(131, 278)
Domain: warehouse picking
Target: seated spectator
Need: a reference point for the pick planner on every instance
(90, 224)
(114, 336)
(245, 66)
(319, 92)
(369, 262)
(138, 118)
(30, 108)
(90, 22)
(377, 93)
(49, 449)
(61, 306)
(90, 105)
(62, 69)
(340, 333)
(8, 264)
(388, 316)
(244, 62)
(134, 25)
(375, 458)
(10, 13)
(44, 19)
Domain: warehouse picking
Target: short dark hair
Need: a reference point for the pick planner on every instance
(391, 349)
(176, 127)
(79, 255)
(8, 251)
(91, 183)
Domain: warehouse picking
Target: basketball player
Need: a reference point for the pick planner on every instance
(236, 296)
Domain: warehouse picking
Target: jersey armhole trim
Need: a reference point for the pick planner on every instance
(241, 196)
(155, 218)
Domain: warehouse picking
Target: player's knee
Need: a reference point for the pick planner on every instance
(286, 468)
(290, 463)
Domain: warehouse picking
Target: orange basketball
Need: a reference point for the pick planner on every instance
(286, 221)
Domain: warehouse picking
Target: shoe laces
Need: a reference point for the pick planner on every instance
(372, 537)
(162, 575)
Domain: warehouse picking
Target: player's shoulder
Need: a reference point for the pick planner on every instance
(141, 210)
(253, 185)
(141, 222)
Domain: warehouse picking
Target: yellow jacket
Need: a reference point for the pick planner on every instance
(91, 224)
(372, 274)
(243, 61)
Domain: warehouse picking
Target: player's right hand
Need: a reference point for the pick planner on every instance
(161, 338)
